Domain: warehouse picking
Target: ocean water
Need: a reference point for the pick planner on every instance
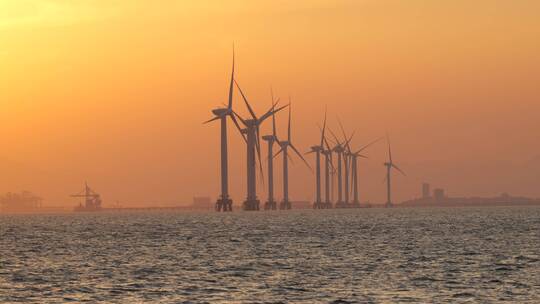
(454, 255)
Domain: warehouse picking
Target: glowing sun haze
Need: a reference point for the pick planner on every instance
(114, 92)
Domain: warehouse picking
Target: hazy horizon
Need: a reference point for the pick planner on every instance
(115, 93)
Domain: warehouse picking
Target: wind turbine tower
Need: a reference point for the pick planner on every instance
(346, 154)
(354, 176)
(318, 204)
(224, 202)
(339, 150)
(271, 139)
(389, 166)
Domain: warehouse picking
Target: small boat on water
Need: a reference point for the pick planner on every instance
(92, 200)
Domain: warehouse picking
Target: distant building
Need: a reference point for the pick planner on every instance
(439, 199)
(426, 191)
(439, 195)
(202, 203)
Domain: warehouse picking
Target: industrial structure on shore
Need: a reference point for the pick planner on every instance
(92, 200)
(22, 202)
(439, 199)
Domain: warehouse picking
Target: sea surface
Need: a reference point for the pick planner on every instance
(439, 255)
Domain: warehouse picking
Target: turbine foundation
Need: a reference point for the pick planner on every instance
(251, 205)
(342, 205)
(270, 205)
(318, 205)
(285, 205)
(224, 205)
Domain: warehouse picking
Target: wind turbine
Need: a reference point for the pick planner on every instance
(329, 172)
(389, 166)
(354, 159)
(252, 143)
(339, 149)
(318, 150)
(271, 139)
(346, 159)
(286, 204)
(224, 202)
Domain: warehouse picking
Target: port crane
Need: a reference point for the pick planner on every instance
(92, 199)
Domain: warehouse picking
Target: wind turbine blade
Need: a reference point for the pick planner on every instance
(210, 120)
(270, 112)
(362, 156)
(400, 171)
(309, 152)
(389, 148)
(368, 145)
(239, 117)
(335, 137)
(342, 130)
(327, 145)
(231, 85)
(280, 150)
(238, 126)
(300, 155)
(289, 128)
(274, 132)
(258, 146)
(246, 101)
(348, 141)
(324, 125)
(290, 158)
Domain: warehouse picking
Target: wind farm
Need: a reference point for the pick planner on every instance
(307, 151)
(347, 159)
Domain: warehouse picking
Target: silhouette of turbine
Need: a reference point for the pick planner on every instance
(354, 174)
(224, 202)
(318, 204)
(271, 139)
(286, 204)
(251, 129)
(389, 166)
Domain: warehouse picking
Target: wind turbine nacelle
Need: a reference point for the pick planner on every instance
(251, 122)
(220, 111)
(269, 137)
(316, 148)
(284, 143)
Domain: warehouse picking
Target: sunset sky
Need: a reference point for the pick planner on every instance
(115, 92)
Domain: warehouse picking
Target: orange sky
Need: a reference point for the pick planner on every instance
(114, 92)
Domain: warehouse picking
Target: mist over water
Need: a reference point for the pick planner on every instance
(332, 256)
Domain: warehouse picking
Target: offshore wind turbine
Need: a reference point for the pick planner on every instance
(318, 204)
(389, 166)
(339, 150)
(329, 172)
(224, 202)
(285, 145)
(346, 159)
(251, 130)
(354, 160)
(271, 139)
